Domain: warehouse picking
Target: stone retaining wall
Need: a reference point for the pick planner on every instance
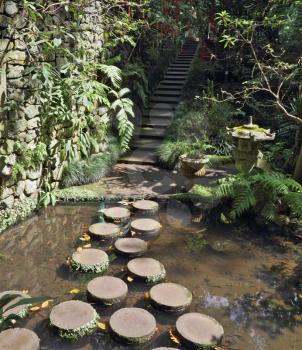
(22, 125)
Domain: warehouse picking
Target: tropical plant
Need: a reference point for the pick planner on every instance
(273, 196)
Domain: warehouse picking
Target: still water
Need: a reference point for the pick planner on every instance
(249, 281)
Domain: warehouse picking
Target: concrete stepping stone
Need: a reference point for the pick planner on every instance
(133, 325)
(117, 214)
(107, 289)
(74, 319)
(104, 231)
(146, 206)
(170, 297)
(19, 339)
(146, 227)
(148, 270)
(21, 310)
(165, 348)
(199, 331)
(131, 246)
(89, 260)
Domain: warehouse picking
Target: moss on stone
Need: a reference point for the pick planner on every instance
(9, 217)
(97, 268)
(75, 334)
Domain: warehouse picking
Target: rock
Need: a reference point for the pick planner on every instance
(146, 206)
(199, 331)
(104, 231)
(33, 123)
(30, 136)
(20, 188)
(131, 246)
(6, 192)
(16, 56)
(107, 290)
(34, 174)
(8, 202)
(30, 187)
(18, 126)
(11, 159)
(8, 147)
(14, 72)
(147, 269)
(117, 214)
(133, 325)
(11, 8)
(89, 260)
(3, 22)
(7, 170)
(19, 339)
(17, 95)
(146, 228)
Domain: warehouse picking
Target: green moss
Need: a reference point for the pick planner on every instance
(75, 334)
(157, 278)
(218, 160)
(9, 217)
(77, 194)
(98, 268)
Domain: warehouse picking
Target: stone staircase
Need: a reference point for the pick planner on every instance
(161, 109)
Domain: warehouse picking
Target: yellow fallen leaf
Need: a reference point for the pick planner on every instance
(147, 295)
(35, 308)
(102, 326)
(173, 337)
(130, 279)
(45, 304)
(79, 249)
(25, 291)
(85, 238)
(13, 321)
(87, 246)
(74, 291)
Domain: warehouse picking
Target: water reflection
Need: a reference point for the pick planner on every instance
(249, 282)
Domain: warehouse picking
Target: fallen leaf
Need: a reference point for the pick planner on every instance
(102, 326)
(35, 308)
(173, 337)
(13, 321)
(85, 238)
(130, 279)
(87, 246)
(25, 291)
(147, 295)
(45, 304)
(79, 249)
(74, 291)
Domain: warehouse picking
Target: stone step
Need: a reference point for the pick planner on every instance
(139, 157)
(167, 92)
(156, 122)
(146, 144)
(164, 99)
(155, 133)
(176, 74)
(175, 77)
(180, 66)
(178, 71)
(159, 113)
(173, 83)
(169, 87)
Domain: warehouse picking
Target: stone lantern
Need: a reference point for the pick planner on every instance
(247, 154)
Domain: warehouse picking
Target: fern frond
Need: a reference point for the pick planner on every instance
(294, 202)
(113, 73)
(244, 199)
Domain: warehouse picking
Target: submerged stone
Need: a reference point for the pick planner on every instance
(199, 331)
(108, 290)
(74, 319)
(146, 227)
(131, 246)
(19, 339)
(104, 231)
(170, 297)
(90, 260)
(133, 325)
(146, 206)
(147, 269)
(21, 310)
(117, 214)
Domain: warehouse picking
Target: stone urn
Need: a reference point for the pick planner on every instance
(193, 166)
(247, 154)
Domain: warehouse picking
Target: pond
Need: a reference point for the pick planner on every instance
(248, 281)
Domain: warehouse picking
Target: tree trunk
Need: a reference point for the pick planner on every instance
(298, 169)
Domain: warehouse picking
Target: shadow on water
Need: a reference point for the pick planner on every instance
(249, 280)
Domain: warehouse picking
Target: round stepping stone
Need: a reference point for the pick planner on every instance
(131, 246)
(147, 269)
(19, 339)
(108, 290)
(104, 231)
(21, 310)
(117, 214)
(133, 325)
(74, 319)
(146, 226)
(90, 260)
(146, 206)
(165, 348)
(199, 331)
(170, 297)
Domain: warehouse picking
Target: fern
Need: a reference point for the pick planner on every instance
(113, 73)
(244, 199)
(294, 202)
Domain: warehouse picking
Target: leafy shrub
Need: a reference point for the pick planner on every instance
(93, 169)
(273, 196)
